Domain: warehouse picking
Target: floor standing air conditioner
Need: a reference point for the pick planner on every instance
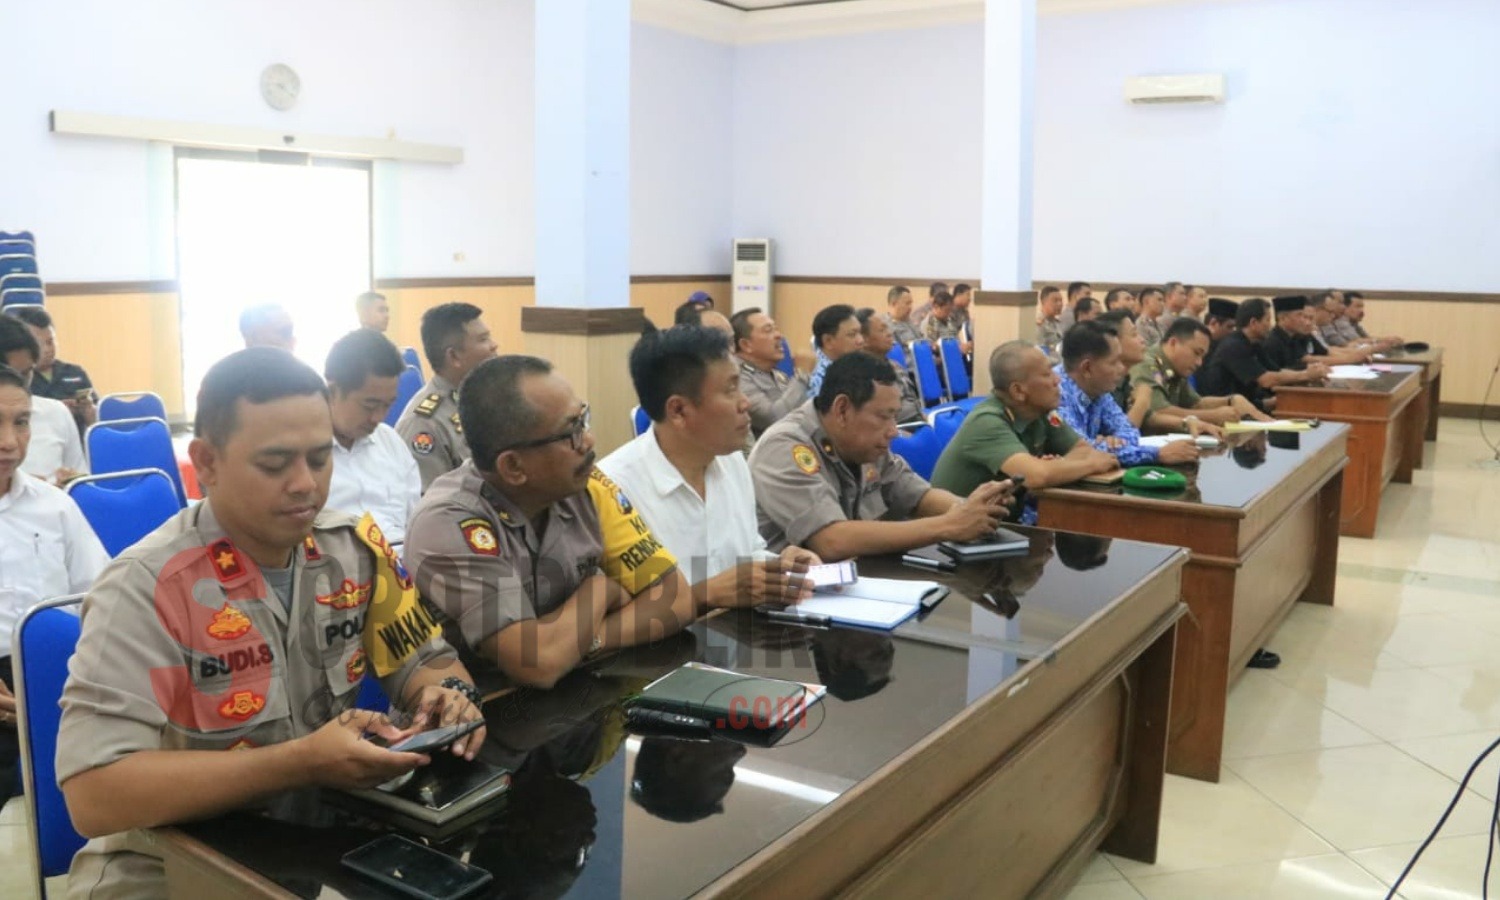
(750, 280)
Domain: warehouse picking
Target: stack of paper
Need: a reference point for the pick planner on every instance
(1355, 373)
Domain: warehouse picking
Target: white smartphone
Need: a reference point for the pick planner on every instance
(830, 574)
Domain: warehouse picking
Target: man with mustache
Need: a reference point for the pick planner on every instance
(534, 559)
(826, 479)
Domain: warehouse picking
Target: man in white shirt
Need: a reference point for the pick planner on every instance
(47, 549)
(372, 469)
(687, 477)
(56, 452)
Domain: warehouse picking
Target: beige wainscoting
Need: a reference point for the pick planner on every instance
(127, 340)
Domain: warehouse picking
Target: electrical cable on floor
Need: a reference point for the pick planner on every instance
(1443, 820)
(1483, 406)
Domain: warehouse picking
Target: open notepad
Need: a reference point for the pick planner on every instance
(1356, 373)
(1276, 425)
(871, 602)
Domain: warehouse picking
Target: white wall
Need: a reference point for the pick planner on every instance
(448, 71)
(681, 154)
(1359, 145)
(859, 155)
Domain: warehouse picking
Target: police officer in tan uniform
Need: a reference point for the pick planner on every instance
(826, 479)
(534, 559)
(771, 392)
(455, 340)
(245, 623)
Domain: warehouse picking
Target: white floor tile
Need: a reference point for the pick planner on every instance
(1331, 877)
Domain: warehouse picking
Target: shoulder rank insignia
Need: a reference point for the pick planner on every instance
(480, 536)
(310, 548)
(806, 459)
(429, 405)
(226, 560)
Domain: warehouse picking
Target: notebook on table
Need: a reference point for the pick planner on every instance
(868, 602)
(730, 701)
(1003, 542)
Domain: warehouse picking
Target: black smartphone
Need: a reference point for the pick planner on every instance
(436, 738)
(929, 557)
(414, 870)
(1018, 480)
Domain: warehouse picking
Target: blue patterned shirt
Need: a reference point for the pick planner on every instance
(1099, 418)
(815, 380)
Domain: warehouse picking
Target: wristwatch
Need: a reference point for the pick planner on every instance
(454, 683)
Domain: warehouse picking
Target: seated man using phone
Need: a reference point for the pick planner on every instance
(1017, 431)
(825, 476)
(245, 623)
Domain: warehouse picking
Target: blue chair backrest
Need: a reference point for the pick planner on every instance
(14, 263)
(945, 421)
(43, 642)
(407, 386)
(22, 297)
(410, 357)
(897, 355)
(929, 385)
(920, 449)
(640, 423)
(26, 236)
(20, 281)
(133, 405)
(786, 365)
(953, 369)
(12, 247)
(123, 507)
(126, 444)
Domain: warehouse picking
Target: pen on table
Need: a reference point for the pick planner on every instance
(787, 615)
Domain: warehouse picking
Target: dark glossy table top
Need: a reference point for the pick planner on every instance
(1245, 467)
(1383, 383)
(596, 812)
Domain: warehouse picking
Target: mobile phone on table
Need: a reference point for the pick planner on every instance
(831, 574)
(436, 738)
(415, 870)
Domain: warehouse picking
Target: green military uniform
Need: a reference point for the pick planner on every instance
(990, 435)
(1167, 387)
(431, 429)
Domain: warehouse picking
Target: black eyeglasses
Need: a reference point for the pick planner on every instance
(574, 435)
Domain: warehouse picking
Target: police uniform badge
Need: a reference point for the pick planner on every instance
(458, 427)
(310, 549)
(228, 623)
(242, 705)
(1054, 419)
(354, 670)
(422, 444)
(806, 459)
(480, 536)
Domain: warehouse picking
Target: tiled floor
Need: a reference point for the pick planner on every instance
(1339, 762)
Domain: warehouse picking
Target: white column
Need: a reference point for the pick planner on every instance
(1009, 95)
(583, 153)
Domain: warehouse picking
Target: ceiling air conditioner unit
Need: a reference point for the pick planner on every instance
(750, 280)
(1175, 89)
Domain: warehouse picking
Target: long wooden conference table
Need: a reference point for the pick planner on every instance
(1261, 518)
(1431, 363)
(985, 749)
(1387, 421)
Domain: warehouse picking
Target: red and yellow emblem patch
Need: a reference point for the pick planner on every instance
(228, 623)
(806, 459)
(422, 444)
(348, 595)
(241, 705)
(355, 668)
(1054, 419)
(480, 537)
